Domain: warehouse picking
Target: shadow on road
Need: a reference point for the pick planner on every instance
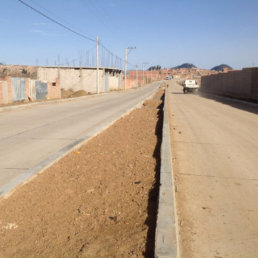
(240, 104)
(154, 192)
(176, 93)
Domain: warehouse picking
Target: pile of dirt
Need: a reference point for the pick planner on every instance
(79, 93)
(72, 94)
(98, 201)
(66, 93)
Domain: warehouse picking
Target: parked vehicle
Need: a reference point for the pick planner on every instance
(190, 86)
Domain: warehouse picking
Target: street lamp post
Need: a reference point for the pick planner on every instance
(137, 84)
(130, 48)
(143, 64)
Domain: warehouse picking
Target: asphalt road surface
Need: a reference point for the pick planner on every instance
(215, 162)
(29, 135)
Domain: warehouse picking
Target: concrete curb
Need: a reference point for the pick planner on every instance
(166, 236)
(8, 189)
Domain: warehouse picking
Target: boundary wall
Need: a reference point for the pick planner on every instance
(241, 84)
(15, 89)
(81, 78)
(84, 78)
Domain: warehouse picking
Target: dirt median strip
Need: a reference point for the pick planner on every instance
(98, 201)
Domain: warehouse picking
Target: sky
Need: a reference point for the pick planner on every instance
(165, 32)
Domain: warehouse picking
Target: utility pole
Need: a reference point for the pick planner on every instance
(126, 62)
(137, 84)
(143, 64)
(142, 75)
(97, 64)
(125, 67)
(58, 60)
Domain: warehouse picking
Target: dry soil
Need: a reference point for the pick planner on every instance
(98, 201)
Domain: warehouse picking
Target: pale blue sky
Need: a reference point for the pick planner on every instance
(166, 32)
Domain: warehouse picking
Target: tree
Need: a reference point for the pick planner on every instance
(155, 67)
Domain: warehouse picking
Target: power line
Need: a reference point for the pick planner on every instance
(75, 32)
(52, 13)
(56, 22)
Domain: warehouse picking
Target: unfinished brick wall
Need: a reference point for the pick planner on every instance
(139, 78)
(54, 91)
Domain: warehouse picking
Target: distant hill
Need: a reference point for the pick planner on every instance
(185, 65)
(220, 68)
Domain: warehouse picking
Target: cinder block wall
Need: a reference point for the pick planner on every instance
(47, 74)
(239, 84)
(113, 81)
(78, 78)
(85, 78)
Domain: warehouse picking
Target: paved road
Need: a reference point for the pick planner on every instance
(30, 135)
(215, 156)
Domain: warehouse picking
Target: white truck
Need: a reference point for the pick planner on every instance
(190, 86)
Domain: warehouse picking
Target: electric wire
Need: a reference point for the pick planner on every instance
(57, 22)
(78, 34)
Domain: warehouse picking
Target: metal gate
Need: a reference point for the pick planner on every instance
(41, 90)
(18, 89)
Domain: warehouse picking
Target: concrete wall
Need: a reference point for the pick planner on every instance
(113, 80)
(80, 78)
(239, 84)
